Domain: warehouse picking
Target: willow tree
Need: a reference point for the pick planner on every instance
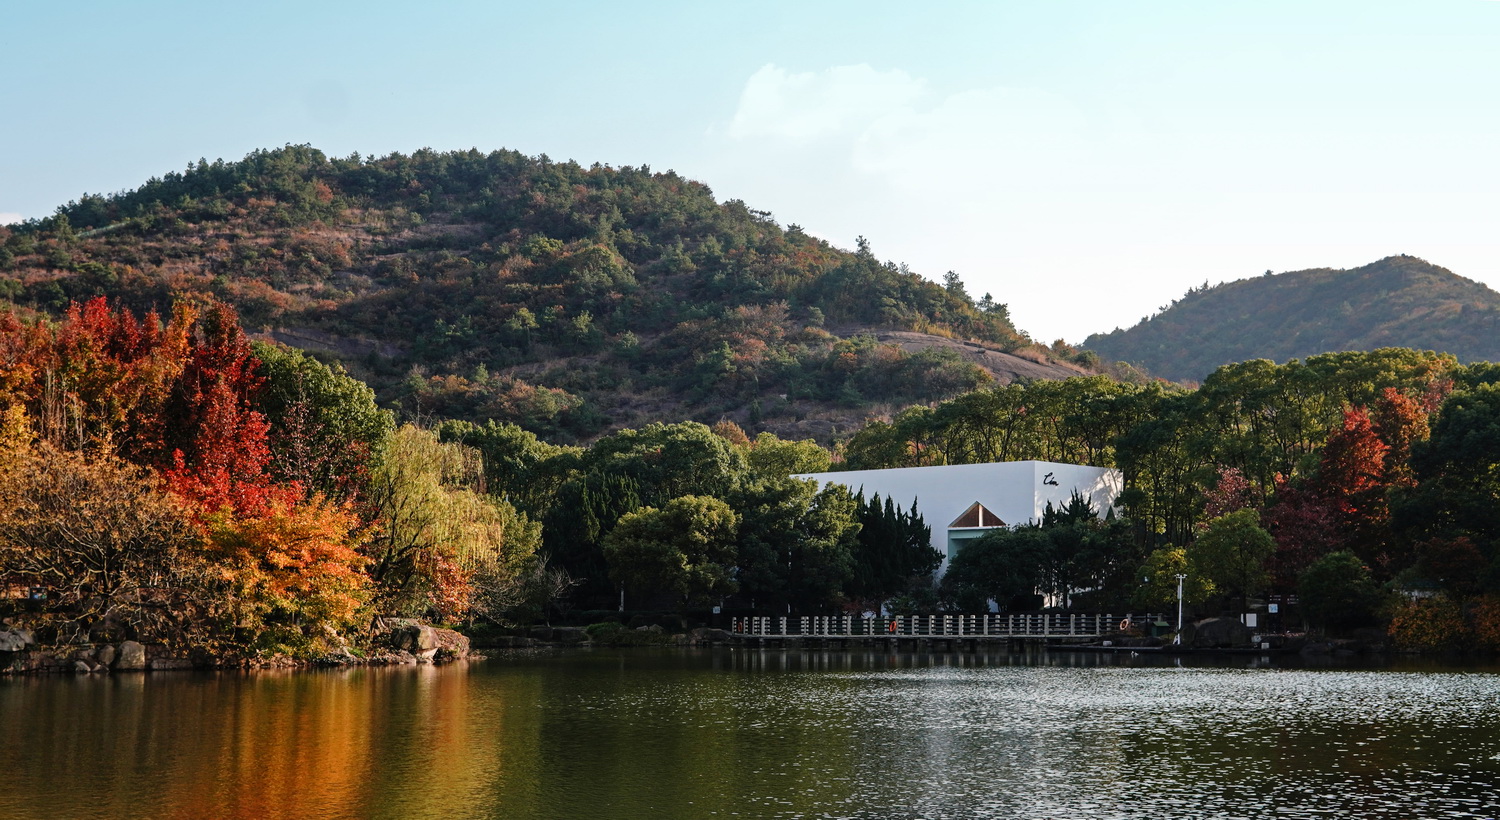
(440, 536)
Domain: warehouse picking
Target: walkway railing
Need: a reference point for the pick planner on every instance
(1004, 625)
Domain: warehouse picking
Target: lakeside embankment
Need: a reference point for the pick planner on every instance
(396, 642)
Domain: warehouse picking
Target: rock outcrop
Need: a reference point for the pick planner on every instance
(427, 644)
(1216, 633)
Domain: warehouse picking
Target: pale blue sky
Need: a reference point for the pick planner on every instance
(1085, 162)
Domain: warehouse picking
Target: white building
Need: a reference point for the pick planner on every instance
(964, 501)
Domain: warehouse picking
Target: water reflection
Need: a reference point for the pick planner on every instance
(761, 733)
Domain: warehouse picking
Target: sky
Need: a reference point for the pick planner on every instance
(1084, 162)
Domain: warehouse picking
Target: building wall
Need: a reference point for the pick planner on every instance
(1017, 491)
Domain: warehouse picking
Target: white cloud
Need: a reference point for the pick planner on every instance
(805, 106)
(891, 129)
(976, 138)
(7, 218)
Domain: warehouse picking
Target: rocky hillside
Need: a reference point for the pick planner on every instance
(1400, 301)
(572, 300)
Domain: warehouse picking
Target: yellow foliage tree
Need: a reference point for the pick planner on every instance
(100, 535)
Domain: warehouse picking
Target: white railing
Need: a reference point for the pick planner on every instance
(1002, 625)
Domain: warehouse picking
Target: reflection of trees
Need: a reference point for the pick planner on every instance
(363, 743)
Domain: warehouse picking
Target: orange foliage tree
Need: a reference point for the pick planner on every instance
(291, 565)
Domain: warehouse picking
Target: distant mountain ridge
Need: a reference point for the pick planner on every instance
(1399, 301)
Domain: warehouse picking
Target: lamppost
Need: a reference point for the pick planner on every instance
(1178, 638)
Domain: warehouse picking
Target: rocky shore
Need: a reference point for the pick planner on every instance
(395, 642)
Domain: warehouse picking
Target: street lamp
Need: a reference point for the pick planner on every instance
(1178, 639)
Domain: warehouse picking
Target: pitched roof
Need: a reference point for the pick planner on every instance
(976, 516)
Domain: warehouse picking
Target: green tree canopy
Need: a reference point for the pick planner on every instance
(325, 425)
(1159, 573)
(1232, 552)
(686, 548)
(1337, 591)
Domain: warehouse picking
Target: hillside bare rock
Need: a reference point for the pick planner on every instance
(1004, 367)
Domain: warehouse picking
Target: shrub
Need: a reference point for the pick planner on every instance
(1429, 623)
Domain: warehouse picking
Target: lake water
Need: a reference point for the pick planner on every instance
(752, 733)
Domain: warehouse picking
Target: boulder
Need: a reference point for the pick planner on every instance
(130, 657)
(1216, 633)
(82, 667)
(653, 628)
(452, 645)
(540, 633)
(569, 634)
(704, 635)
(12, 663)
(105, 655)
(11, 640)
(415, 638)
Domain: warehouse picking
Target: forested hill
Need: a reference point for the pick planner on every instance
(1400, 301)
(569, 299)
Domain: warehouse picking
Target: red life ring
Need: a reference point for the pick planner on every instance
(1125, 623)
